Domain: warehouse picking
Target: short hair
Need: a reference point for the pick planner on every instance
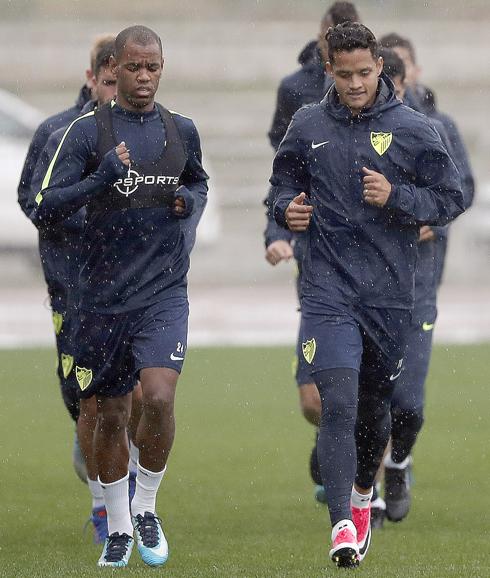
(138, 34)
(99, 43)
(394, 40)
(350, 36)
(341, 12)
(392, 64)
(103, 57)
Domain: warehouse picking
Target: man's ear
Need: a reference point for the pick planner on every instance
(329, 68)
(379, 65)
(89, 79)
(113, 65)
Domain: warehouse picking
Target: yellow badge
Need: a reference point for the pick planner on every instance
(84, 377)
(309, 350)
(66, 364)
(57, 322)
(381, 141)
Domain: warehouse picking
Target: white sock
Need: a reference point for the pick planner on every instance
(96, 491)
(389, 463)
(360, 500)
(134, 455)
(145, 496)
(117, 506)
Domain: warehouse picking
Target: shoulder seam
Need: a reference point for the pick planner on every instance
(179, 114)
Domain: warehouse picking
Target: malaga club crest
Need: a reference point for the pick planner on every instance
(66, 364)
(309, 349)
(381, 141)
(84, 377)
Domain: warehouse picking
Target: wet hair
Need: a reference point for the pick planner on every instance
(394, 40)
(350, 36)
(341, 12)
(138, 34)
(99, 43)
(392, 64)
(103, 56)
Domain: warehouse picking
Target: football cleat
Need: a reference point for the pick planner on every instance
(150, 538)
(117, 550)
(320, 494)
(378, 513)
(99, 522)
(397, 493)
(345, 551)
(362, 521)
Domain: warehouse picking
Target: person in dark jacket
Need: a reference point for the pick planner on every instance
(407, 406)
(359, 173)
(306, 85)
(137, 168)
(59, 250)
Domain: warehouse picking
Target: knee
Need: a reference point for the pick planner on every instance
(158, 399)
(311, 405)
(412, 418)
(113, 417)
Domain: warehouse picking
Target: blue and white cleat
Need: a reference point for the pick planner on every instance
(117, 550)
(150, 538)
(99, 522)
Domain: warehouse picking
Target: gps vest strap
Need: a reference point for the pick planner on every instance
(144, 185)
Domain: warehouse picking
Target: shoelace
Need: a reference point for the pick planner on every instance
(117, 546)
(147, 526)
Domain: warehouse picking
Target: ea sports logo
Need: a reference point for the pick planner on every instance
(129, 184)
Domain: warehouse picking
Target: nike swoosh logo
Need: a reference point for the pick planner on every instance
(427, 326)
(320, 144)
(175, 358)
(393, 377)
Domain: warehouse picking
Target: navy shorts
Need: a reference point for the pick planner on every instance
(409, 391)
(63, 323)
(113, 348)
(370, 340)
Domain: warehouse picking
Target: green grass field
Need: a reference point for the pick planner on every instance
(237, 499)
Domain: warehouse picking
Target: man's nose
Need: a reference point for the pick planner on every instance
(143, 75)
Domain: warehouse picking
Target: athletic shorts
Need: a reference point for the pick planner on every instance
(113, 348)
(63, 323)
(370, 340)
(409, 391)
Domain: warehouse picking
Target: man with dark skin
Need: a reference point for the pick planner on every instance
(133, 293)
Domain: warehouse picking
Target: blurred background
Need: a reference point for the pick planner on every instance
(223, 64)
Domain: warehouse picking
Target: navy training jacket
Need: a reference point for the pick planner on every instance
(355, 252)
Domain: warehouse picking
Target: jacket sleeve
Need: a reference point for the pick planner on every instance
(193, 179)
(38, 142)
(289, 170)
(62, 191)
(273, 232)
(286, 106)
(435, 197)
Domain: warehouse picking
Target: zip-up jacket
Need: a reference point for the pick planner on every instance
(356, 252)
(132, 255)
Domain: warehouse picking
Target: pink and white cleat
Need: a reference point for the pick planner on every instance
(362, 521)
(345, 551)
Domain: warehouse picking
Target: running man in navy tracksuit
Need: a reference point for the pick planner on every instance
(137, 168)
(306, 85)
(360, 172)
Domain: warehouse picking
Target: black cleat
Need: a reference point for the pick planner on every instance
(397, 493)
(378, 513)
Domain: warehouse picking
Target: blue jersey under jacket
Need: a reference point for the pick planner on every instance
(355, 252)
